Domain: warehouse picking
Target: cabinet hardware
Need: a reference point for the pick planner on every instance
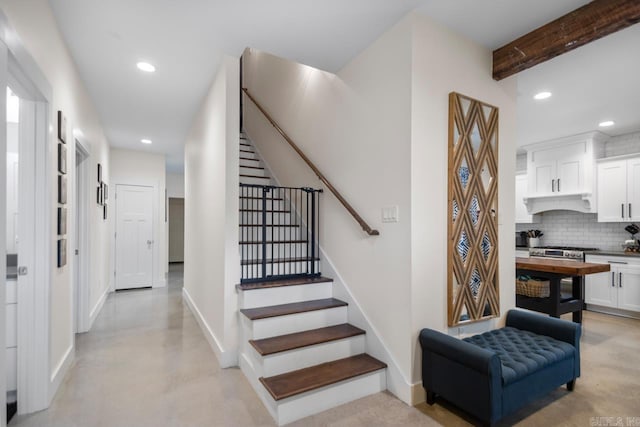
(622, 210)
(617, 262)
(553, 185)
(558, 185)
(620, 279)
(629, 210)
(613, 279)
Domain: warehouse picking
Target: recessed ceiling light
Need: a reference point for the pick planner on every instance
(146, 141)
(542, 95)
(145, 66)
(606, 123)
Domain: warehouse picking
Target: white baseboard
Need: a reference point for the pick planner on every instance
(98, 307)
(60, 372)
(226, 359)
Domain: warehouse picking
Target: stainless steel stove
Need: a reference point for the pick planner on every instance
(568, 253)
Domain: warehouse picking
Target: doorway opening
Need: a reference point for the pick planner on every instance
(176, 230)
(81, 318)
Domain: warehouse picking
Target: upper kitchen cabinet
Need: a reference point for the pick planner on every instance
(619, 190)
(561, 173)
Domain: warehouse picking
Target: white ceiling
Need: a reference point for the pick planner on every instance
(185, 39)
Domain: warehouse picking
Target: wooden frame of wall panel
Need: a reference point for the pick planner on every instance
(473, 139)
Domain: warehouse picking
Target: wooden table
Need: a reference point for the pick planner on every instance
(555, 270)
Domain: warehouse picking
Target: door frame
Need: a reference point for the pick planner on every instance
(154, 219)
(81, 213)
(35, 389)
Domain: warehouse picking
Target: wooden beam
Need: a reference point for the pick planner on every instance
(584, 25)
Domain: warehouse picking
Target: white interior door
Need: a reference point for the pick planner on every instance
(134, 236)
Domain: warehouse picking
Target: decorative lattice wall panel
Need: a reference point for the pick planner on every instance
(473, 288)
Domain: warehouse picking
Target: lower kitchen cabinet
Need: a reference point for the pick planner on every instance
(616, 289)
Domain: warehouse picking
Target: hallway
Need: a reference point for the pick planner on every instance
(146, 363)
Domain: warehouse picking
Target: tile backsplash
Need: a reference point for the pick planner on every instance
(568, 228)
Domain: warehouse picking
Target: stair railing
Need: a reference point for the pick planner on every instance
(313, 167)
(279, 232)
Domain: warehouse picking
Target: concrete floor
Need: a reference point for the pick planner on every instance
(146, 363)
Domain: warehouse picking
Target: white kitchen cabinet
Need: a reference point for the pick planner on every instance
(619, 190)
(522, 216)
(558, 170)
(616, 289)
(561, 174)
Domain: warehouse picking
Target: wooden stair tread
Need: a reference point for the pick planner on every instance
(278, 260)
(312, 378)
(254, 176)
(272, 242)
(252, 167)
(280, 283)
(291, 308)
(247, 151)
(268, 210)
(246, 158)
(260, 198)
(269, 225)
(288, 342)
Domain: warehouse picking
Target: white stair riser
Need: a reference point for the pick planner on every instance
(252, 171)
(280, 250)
(255, 218)
(280, 325)
(273, 233)
(245, 162)
(257, 203)
(286, 361)
(306, 404)
(284, 295)
(257, 181)
(254, 271)
(244, 153)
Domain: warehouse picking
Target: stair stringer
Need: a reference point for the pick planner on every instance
(396, 382)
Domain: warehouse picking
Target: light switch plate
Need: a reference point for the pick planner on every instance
(390, 214)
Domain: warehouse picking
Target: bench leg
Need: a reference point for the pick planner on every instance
(571, 385)
(431, 397)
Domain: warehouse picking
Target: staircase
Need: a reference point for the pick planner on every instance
(297, 348)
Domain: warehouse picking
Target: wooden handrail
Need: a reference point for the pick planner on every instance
(315, 170)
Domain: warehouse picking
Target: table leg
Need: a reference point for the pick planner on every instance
(578, 293)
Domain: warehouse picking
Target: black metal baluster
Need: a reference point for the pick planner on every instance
(264, 231)
(313, 232)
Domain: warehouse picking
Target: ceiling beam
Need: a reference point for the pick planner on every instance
(584, 25)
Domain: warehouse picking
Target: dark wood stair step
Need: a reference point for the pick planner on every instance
(268, 210)
(291, 308)
(277, 260)
(312, 378)
(254, 176)
(247, 151)
(272, 242)
(252, 167)
(280, 283)
(260, 198)
(246, 158)
(270, 225)
(288, 342)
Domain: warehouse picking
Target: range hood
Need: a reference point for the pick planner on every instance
(579, 202)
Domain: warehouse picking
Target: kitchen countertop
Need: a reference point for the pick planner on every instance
(614, 253)
(570, 268)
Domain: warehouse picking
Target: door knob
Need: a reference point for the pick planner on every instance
(23, 271)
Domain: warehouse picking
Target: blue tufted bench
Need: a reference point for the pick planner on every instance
(495, 373)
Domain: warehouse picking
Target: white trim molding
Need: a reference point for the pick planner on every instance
(61, 371)
(226, 359)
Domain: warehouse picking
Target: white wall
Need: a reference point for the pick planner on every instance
(378, 131)
(130, 167)
(175, 185)
(443, 62)
(211, 259)
(35, 24)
